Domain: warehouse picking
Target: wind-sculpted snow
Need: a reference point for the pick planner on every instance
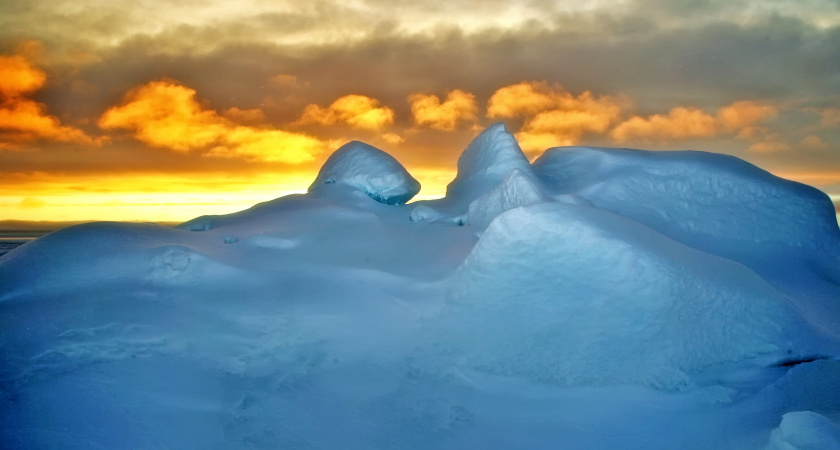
(568, 282)
(784, 231)
(612, 294)
(371, 170)
(704, 199)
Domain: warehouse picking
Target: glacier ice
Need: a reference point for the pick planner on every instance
(597, 298)
(375, 172)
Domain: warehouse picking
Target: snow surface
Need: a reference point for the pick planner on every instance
(615, 299)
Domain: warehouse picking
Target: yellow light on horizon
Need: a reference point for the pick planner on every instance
(165, 198)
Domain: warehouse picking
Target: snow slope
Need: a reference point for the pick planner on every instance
(598, 298)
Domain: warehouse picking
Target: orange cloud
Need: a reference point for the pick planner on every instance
(392, 138)
(358, 111)
(166, 114)
(830, 118)
(680, 123)
(686, 123)
(744, 114)
(813, 142)
(523, 99)
(459, 106)
(23, 119)
(286, 81)
(769, 146)
(250, 116)
(19, 76)
(554, 116)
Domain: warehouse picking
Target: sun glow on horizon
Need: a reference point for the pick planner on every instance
(166, 198)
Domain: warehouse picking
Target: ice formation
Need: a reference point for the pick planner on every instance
(483, 165)
(373, 171)
(597, 298)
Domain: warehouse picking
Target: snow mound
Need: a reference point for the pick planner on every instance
(805, 430)
(715, 202)
(424, 213)
(573, 295)
(517, 189)
(370, 170)
(784, 231)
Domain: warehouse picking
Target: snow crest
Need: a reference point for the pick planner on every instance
(491, 157)
(369, 169)
(486, 161)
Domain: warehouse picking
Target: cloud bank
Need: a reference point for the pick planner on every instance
(275, 86)
(167, 114)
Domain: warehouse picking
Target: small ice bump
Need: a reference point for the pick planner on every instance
(230, 239)
(805, 430)
(422, 213)
(198, 224)
(169, 263)
(272, 242)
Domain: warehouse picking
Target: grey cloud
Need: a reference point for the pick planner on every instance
(706, 67)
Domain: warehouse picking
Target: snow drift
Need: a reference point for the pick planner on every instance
(591, 299)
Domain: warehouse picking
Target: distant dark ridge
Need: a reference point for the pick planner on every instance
(26, 225)
(49, 226)
(14, 233)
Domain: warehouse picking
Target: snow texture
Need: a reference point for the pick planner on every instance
(561, 280)
(371, 170)
(599, 298)
(517, 189)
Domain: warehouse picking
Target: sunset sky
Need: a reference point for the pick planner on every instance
(160, 111)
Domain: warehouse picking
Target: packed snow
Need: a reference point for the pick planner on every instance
(595, 298)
